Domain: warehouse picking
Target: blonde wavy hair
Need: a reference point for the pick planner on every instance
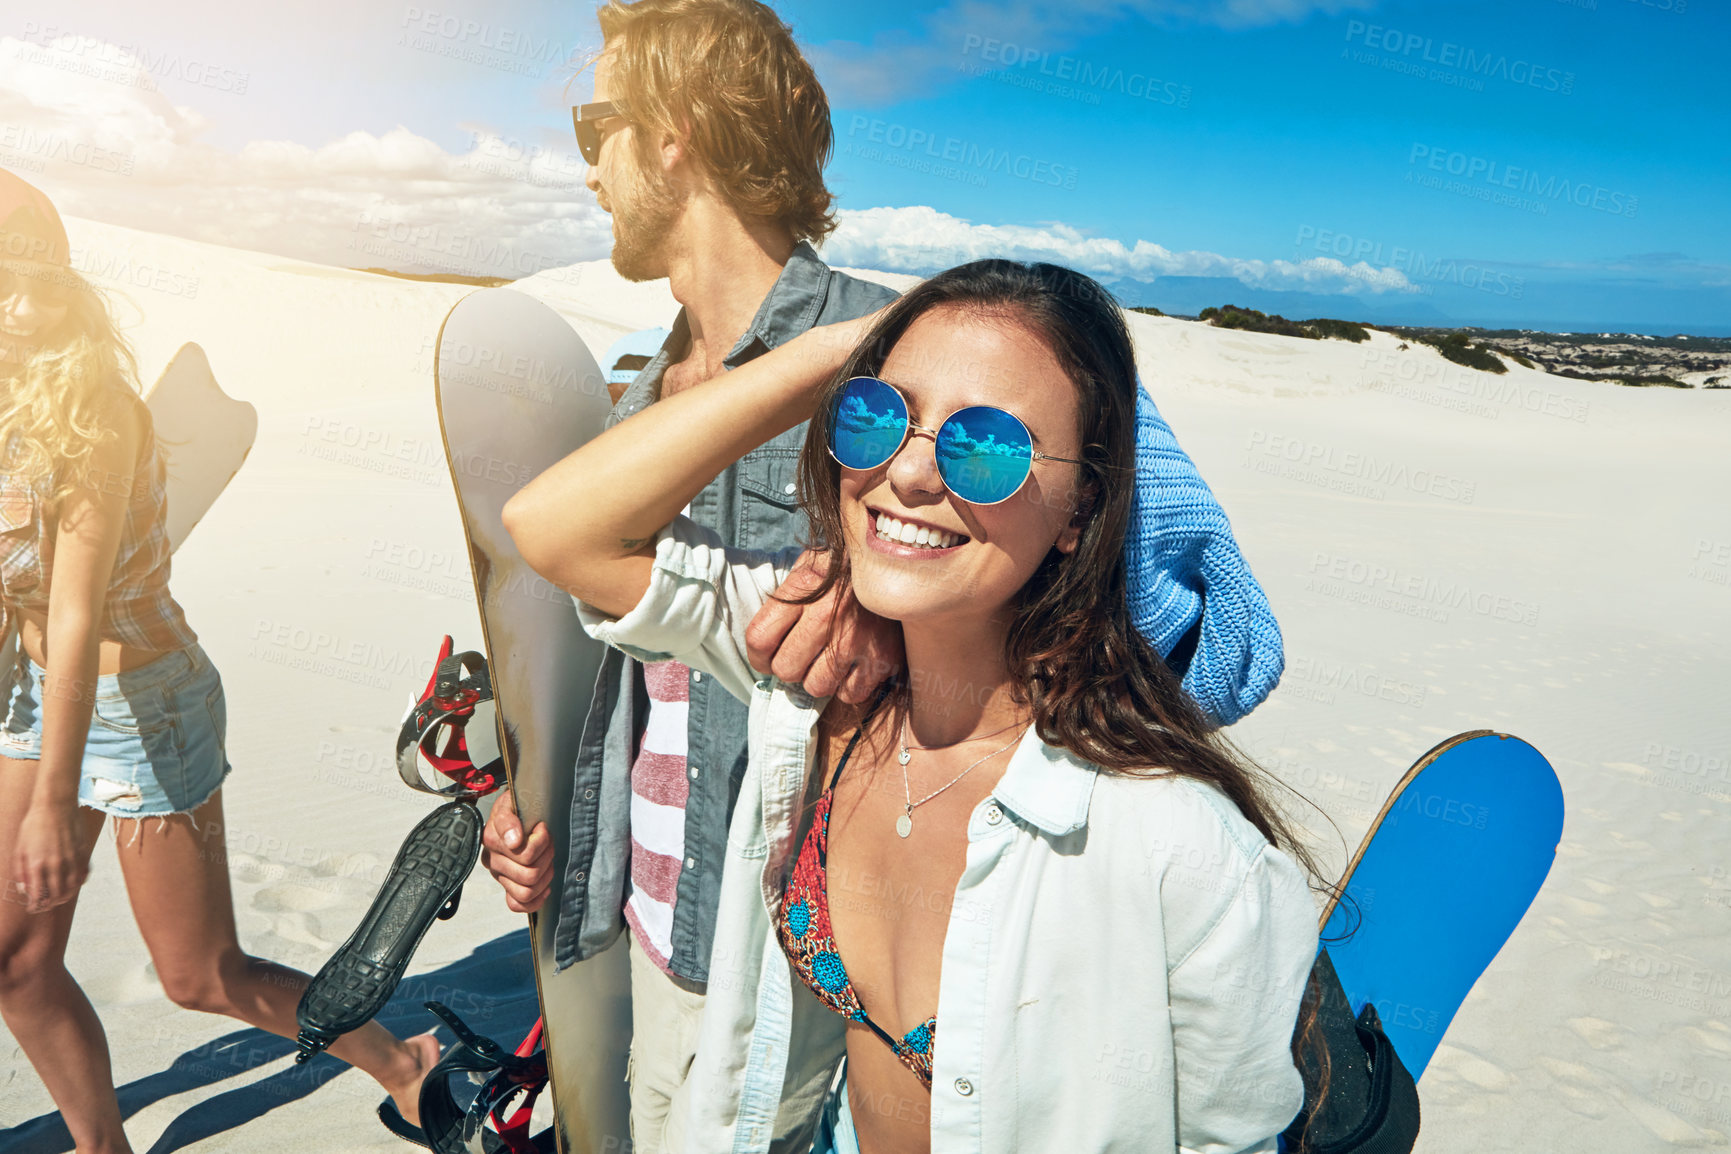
(726, 77)
(59, 406)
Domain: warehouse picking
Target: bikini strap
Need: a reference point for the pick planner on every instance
(871, 711)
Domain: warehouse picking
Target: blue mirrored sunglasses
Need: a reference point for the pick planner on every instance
(984, 454)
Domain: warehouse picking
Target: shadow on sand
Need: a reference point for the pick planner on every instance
(493, 989)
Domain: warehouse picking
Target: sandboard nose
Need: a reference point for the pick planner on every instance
(1445, 877)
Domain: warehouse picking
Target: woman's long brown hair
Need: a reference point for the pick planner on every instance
(1094, 684)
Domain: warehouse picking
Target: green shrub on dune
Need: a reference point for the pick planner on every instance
(1250, 320)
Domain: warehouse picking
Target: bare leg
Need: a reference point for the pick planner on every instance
(43, 1007)
(177, 880)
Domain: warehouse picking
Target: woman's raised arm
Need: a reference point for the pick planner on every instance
(588, 524)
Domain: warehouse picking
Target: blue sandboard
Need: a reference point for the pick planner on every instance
(1448, 869)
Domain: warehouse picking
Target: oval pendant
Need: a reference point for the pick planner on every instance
(904, 757)
(904, 825)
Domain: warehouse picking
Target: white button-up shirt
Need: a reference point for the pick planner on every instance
(1124, 958)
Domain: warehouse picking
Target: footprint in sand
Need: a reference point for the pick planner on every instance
(1485, 1075)
(1582, 906)
(1716, 1037)
(1590, 1093)
(1598, 1033)
(291, 897)
(289, 935)
(1580, 1088)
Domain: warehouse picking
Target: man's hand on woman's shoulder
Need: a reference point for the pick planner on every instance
(832, 646)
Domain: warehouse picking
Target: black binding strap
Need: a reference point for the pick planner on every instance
(1371, 1103)
(507, 1080)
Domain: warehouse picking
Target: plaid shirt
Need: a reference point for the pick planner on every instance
(138, 609)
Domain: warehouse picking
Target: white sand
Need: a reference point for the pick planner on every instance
(1596, 552)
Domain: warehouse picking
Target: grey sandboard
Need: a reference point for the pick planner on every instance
(205, 434)
(517, 391)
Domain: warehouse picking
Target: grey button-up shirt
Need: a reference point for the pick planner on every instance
(751, 506)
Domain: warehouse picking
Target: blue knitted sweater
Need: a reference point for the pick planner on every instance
(1185, 569)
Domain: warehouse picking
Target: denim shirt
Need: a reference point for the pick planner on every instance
(1123, 963)
(750, 505)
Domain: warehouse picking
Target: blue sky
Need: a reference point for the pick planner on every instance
(1534, 163)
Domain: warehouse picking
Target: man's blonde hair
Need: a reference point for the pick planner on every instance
(725, 77)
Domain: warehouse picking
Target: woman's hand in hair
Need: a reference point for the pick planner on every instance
(831, 646)
(49, 862)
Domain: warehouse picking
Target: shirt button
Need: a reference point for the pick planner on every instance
(790, 489)
(694, 773)
(690, 863)
(588, 795)
(697, 675)
(964, 1087)
(994, 815)
(580, 875)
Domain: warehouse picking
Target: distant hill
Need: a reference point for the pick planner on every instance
(441, 277)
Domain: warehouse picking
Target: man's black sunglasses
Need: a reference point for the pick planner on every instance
(587, 118)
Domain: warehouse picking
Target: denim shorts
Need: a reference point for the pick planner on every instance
(835, 1132)
(158, 734)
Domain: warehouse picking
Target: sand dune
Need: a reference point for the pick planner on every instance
(1446, 550)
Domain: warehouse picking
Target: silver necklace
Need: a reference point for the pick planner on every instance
(904, 756)
(905, 823)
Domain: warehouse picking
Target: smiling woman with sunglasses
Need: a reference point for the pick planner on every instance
(1028, 893)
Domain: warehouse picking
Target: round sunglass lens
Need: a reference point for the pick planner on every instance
(984, 454)
(870, 422)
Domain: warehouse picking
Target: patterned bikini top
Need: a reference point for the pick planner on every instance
(803, 928)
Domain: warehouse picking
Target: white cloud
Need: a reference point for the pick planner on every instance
(105, 143)
(923, 240)
(112, 147)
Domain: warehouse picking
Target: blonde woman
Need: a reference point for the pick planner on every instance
(114, 709)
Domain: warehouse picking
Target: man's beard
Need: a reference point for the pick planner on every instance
(640, 250)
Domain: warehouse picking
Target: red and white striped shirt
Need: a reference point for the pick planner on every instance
(659, 788)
